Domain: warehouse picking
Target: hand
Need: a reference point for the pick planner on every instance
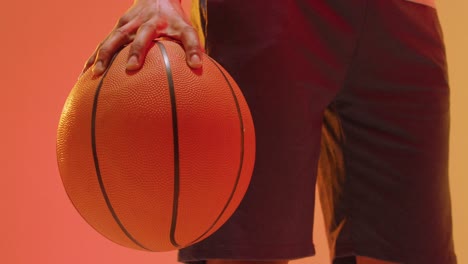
(141, 24)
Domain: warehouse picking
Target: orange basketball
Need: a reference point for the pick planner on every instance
(156, 159)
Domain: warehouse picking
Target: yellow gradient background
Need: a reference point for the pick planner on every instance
(43, 47)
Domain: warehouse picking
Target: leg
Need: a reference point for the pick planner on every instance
(387, 131)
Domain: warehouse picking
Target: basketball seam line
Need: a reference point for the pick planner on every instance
(175, 132)
(96, 160)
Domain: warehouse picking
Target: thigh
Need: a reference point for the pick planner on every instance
(388, 195)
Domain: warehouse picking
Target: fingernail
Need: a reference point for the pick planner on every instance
(98, 68)
(132, 62)
(195, 59)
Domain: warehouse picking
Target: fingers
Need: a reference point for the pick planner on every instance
(179, 31)
(144, 22)
(89, 63)
(191, 43)
(106, 50)
(139, 48)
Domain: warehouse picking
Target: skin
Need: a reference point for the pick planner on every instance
(145, 21)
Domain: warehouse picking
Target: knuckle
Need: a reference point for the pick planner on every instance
(160, 25)
(190, 34)
(123, 20)
(191, 39)
(192, 47)
(188, 29)
(122, 32)
(149, 26)
(179, 31)
(137, 47)
(92, 58)
(90, 62)
(182, 27)
(104, 52)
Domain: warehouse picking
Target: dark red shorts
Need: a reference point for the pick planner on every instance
(352, 95)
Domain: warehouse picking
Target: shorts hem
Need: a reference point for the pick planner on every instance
(251, 253)
(350, 250)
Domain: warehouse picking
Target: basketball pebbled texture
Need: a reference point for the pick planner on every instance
(160, 158)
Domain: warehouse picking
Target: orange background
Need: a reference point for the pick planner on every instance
(44, 45)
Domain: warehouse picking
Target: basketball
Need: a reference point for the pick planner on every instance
(156, 159)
